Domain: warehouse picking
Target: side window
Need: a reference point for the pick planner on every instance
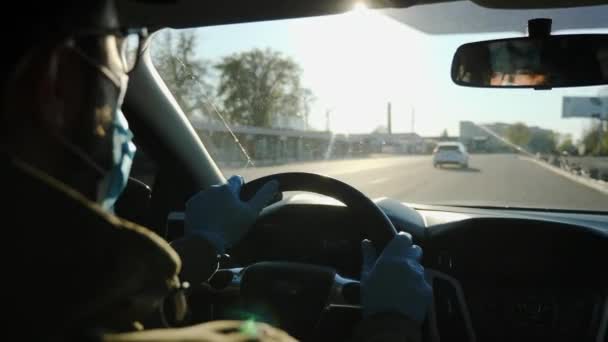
(144, 168)
(135, 201)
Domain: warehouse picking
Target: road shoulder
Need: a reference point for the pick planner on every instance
(598, 185)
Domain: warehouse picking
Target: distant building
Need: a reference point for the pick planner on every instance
(409, 143)
(288, 122)
(477, 139)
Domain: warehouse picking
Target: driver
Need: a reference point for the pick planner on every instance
(79, 272)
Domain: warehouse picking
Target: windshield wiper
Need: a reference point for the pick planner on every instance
(210, 104)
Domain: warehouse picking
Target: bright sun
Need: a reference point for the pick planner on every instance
(359, 6)
(357, 63)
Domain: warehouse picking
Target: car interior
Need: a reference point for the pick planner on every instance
(498, 274)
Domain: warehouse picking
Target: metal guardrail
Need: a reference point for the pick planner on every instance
(592, 167)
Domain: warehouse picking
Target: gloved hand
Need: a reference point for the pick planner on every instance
(395, 281)
(219, 215)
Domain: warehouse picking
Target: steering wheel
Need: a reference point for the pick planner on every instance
(298, 293)
(380, 231)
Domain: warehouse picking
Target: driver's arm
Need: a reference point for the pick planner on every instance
(199, 258)
(216, 219)
(394, 292)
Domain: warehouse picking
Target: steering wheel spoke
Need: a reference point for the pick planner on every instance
(298, 294)
(345, 292)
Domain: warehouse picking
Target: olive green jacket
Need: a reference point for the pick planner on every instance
(79, 272)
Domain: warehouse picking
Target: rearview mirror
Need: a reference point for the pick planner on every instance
(533, 62)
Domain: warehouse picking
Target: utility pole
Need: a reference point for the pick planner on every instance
(327, 120)
(389, 125)
(600, 129)
(413, 119)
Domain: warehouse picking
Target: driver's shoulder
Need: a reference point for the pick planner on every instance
(89, 260)
(43, 206)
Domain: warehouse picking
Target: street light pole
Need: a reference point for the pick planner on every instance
(600, 131)
(413, 119)
(389, 119)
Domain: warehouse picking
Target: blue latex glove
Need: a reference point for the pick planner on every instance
(395, 281)
(219, 215)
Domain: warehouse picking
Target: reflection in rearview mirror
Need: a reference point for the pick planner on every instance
(545, 62)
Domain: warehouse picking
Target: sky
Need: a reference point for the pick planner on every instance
(357, 62)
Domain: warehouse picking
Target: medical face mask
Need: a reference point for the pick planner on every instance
(123, 152)
(115, 181)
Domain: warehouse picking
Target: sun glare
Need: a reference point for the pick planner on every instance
(359, 7)
(366, 62)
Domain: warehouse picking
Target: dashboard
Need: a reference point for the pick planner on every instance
(498, 275)
(521, 279)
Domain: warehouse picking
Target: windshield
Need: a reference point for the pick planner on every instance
(366, 97)
(447, 148)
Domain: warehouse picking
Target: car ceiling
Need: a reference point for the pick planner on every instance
(466, 17)
(458, 16)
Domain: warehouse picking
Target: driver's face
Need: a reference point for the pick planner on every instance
(59, 107)
(99, 110)
(91, 96)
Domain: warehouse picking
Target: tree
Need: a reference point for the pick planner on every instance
(567, 146)
(591, 140)
(542, 141)
(444, 134)
(184, 74)
(257, 86)
(307, 99)
(518, 134)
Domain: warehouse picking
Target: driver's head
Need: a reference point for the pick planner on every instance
(61, 89)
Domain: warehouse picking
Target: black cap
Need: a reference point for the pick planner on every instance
(45, 22)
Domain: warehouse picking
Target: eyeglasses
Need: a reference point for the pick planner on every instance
(131, 45)
(129, 42)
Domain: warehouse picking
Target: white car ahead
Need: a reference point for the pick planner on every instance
(450, 153)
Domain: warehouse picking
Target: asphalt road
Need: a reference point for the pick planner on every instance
(490, 179)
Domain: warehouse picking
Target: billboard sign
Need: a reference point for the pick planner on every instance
(585, 107)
